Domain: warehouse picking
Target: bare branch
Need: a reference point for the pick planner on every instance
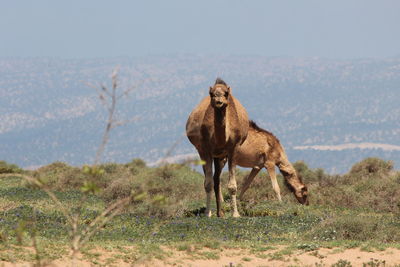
(105, 89)
(114, 78)
(103, 218)
(90, 85)
(103, 99)
(124, 122)
(110, 102)
(172, 148)
(126, 92)
(101, 93)
(130, 89)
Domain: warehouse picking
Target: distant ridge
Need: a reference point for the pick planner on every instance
(386, 147)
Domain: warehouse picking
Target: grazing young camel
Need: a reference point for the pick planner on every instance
(216, 127)
(262, 149)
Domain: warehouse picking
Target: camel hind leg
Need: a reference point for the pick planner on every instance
(248, 181)
(232, 186)
(270, 166)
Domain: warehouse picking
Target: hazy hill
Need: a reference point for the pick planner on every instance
(49, 113)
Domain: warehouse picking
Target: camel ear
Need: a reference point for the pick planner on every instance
(210, 89)
(229, 89)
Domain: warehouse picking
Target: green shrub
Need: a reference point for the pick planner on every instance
(8, 168)
(370, 166)
(118, 188)
(181, 187)
(371, 184)
(314, 176)
(137, 163)
(60, 176)
(109, 167)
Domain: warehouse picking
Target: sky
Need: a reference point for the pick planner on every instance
(100, 28)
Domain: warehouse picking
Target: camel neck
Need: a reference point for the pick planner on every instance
(220, 125)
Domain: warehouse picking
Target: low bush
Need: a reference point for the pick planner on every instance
(370, 184)
(181, 187)
(371, 166)
(9, 168)
(60, 176)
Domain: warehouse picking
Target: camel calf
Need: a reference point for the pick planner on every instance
(262, 149)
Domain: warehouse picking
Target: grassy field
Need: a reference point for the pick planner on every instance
(360, 209)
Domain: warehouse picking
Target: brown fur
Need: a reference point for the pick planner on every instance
(216, 127)
(262, 149)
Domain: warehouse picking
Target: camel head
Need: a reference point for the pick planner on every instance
(219, 94)
(294, 182)
(302, 195)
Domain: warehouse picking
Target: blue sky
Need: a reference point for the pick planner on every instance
(97, 28)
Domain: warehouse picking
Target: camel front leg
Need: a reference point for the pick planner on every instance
(219, 164)
(208, 184)
(248, 181)
(270, 166)
(222, 165)
(232, 186)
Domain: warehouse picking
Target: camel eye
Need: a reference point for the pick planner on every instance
(211, 94)
(226, 94)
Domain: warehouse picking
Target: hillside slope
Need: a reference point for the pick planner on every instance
(49, 113)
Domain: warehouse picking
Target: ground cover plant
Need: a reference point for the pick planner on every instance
(343, 212)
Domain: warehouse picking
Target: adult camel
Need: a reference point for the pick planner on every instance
(216, 127)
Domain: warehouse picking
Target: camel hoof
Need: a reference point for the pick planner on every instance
(236, 215)
(220, 214)
(207, 213)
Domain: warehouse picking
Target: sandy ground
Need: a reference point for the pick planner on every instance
(325, 257)
(239, 257)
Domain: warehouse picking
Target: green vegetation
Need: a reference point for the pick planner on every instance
(358, 209)
(8, 168)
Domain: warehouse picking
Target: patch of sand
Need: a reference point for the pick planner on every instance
(241, 257)
(323, 256)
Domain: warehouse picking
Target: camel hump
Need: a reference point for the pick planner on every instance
(242, 119)
(196, 117)
(270, 135)
(270, 139)
(254, 125)
(220, 81)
